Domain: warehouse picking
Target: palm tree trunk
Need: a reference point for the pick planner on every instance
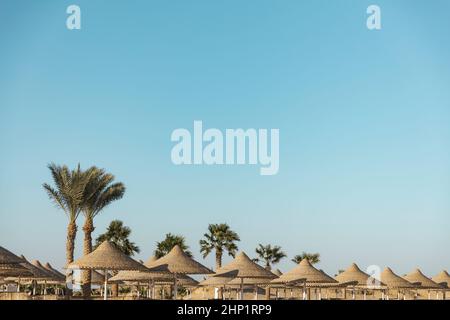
(218, 260)
(70, 245)
(88, 228)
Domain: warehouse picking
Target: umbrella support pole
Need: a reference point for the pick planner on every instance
(105, 290)
(153, 289)
(175, 287)
(242, 289)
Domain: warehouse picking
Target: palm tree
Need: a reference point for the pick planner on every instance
(219, 238)
(68, 196)
(100, 191)
(171, 240)
(269, 255)
(118, 234)
(313, 258)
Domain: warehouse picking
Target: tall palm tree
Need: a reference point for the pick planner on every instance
(100, 192)
(118, 234)
(171, 240)
(269, 255)
(68, 196)
(219, 238)
(313, 258)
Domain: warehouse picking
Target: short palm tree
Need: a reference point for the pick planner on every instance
(100, 192)
(219, 238)
(313, 258)
(171, 240)
(118, 234)
(68, 196)
(269, 255)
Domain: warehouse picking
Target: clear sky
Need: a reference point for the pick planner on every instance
(363, 116)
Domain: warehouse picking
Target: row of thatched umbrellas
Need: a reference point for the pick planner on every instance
(174, 268)
(19, 269)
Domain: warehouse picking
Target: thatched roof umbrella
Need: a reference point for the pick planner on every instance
(52, 278)
(304, 273)
(58, 275)
(422, 281)
(35, 274)
(106, 257)
(11, 266)
(9, 258)
(355, 276)
(243, 267)
(178, 263)
(443, 279)
(394, 281)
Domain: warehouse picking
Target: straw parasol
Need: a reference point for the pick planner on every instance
(243, 267)
(106, 257)
(9, 258)
(57, 274)
(394, 281)
(417, 276)
(355, 277)
(177, 262)
(443, 279)
(38, 273)
(304, 272)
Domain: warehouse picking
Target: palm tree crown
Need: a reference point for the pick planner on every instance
(118, 234)
(171, 240)
(269, 255)
(100, 191)
(313, 258)
(219, 238)
(69, 189)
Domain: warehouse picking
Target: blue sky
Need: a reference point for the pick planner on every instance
(363, 117)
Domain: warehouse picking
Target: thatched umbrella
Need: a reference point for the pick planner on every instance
(358, 278)
(178, 263)
(106, 257)
(417, 276)
(243, 267)
(422, 281)
(35, 274)
(51, 277)
(8, 258)
(56, 273)
(443, 279)
(394, 281)
(304, 273)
